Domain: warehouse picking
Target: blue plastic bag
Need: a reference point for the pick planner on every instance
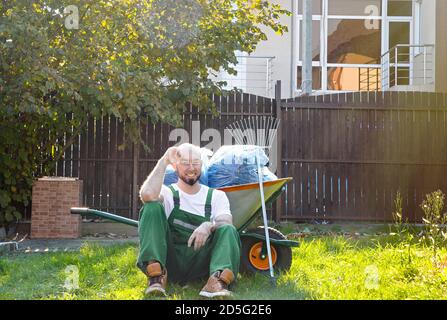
(267, 175)
(170, 176)
(236, 164)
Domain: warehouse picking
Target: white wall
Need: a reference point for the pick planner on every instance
(441, 46)
(434, 31)
(428, 22)
(427, 31)
(281, 48)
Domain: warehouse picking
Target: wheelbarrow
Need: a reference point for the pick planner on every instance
(245, 204)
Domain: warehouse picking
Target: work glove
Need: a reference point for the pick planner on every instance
(200, 235)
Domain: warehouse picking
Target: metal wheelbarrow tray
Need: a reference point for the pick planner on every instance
(245, 204)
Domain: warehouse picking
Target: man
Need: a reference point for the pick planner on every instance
(186, 228)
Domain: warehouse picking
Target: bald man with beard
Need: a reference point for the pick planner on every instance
(186, 228)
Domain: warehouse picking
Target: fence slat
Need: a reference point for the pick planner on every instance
(105, 176)
(68, 154)
(113, 164)
(96, 164)
(90, 175)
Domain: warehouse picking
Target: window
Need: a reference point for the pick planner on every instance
(349, 41)
(400, 8)
(343, 79)
(316, 7)
(399, 33)
(315, 40)
(356, 8)
(399, 76)
(316, 77)
(349, 37)
(370, 79)
(418, 26)
(353, 79)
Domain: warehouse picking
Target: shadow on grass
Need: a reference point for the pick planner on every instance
(247, 287)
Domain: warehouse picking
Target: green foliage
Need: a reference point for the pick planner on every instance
(401, 229)
(397, 215)
(127, 57)
(27, 149)
(434, 233)
(435, 221)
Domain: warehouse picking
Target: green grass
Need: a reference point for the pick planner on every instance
(325, 267)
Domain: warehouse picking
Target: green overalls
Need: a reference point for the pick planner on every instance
(166, 241)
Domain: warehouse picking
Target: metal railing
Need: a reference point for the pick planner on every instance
(254, 75)
(408, 65)
(369, 77)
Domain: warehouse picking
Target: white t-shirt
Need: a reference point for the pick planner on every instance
(195, 203)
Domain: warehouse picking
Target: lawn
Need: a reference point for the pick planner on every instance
(336, 266)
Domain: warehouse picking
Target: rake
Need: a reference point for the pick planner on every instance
(258, 131)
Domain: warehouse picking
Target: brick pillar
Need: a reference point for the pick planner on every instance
(52, 198)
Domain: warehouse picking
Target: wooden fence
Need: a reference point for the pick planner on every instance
(348, 153)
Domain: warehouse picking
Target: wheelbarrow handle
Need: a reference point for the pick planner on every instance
(103, 214)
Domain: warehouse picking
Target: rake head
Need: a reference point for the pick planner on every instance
(256, 130)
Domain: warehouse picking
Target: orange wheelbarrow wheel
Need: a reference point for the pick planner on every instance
(254, 256)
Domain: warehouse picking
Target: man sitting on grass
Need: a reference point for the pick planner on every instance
(186, 228)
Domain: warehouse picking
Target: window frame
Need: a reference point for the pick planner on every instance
(324, 19)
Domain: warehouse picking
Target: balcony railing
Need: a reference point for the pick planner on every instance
(410, 65)
(369, 77)
(254, 75)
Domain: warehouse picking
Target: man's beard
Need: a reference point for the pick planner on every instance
(190, 181)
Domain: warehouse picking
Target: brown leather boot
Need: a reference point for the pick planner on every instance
(217, 285)
(157, 279)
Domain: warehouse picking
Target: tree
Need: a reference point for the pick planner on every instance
(120, 57)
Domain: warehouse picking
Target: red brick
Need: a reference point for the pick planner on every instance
(50, 212)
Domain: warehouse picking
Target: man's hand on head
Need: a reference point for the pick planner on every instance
(151, 188)
(171, 156)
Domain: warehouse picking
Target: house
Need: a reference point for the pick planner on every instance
(358, 45)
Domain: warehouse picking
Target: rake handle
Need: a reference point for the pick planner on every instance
(264, 214)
